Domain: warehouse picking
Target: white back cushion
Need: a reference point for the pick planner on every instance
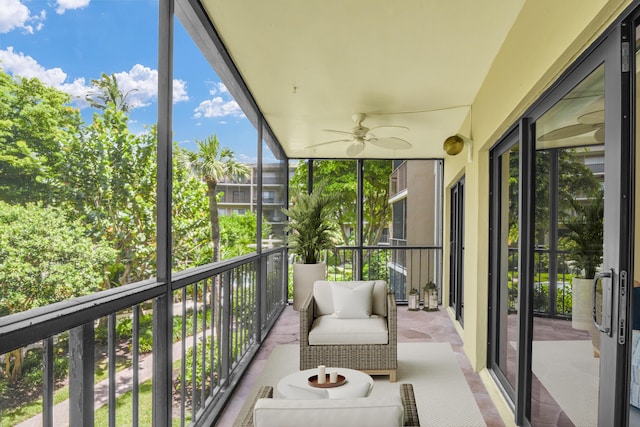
(365, 411)
(352, 302)
(380, 297)
(324, 299)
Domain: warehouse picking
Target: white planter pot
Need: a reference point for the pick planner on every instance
(582, 302)
(303, 277)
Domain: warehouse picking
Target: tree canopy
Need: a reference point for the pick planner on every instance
(339, 177)
(87, 194)
(35, 123)
(46, 258)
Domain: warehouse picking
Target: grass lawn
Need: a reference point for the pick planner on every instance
(124, 409)
(15, 416)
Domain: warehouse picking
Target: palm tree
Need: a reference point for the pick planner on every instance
(108, 92)
(211, 163)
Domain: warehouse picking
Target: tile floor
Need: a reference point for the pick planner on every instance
(413, 326)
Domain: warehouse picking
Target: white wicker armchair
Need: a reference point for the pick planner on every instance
(374, 359)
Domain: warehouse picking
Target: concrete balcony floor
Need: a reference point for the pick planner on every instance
(413, 326)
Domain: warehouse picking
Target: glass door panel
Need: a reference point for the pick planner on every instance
(456, 250)
(505, 298)
(569, 224)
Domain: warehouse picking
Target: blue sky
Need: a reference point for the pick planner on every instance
(66, 43)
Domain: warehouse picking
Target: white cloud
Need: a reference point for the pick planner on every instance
(180, 91)
(140, 80)
(218, 107)
(243, 158)
(16, 15)
(23, 65)
(218, 87)
(64, 5)
(143, 83)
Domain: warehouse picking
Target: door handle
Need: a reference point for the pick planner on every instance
(605, 326)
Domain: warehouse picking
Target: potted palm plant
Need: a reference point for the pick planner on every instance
(585, 244)
(310, 230)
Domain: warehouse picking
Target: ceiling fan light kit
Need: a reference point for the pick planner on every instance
(360, 136)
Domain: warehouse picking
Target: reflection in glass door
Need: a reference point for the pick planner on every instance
(568, 350)
(569, 223)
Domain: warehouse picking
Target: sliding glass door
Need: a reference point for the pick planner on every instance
(559, 250)
(456, 251)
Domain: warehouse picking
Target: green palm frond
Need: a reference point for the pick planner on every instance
(311, 228)
(586, 234)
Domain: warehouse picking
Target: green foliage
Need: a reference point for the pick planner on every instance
(110, 182)
(32, 366)
(339, 177)
(564, 299)
(585, 237)
(35, 122)
(575, 180)
(189, 378)
(191, 230)
(107, 93)
(124, 331)
(310, 227)
(45, 258)
(238, 234)
(376, 266)
(210, 164)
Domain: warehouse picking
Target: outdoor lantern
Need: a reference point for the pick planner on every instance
(414, 300)
(453, 145)
(430, 297)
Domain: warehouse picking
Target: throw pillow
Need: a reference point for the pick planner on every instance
(352, 302)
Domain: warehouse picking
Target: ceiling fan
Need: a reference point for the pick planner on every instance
(587, 122)
(382, 136)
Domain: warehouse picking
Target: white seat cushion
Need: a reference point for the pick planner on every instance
(329, 330)
(358, 412)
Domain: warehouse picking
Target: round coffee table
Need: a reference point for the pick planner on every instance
(296, 385)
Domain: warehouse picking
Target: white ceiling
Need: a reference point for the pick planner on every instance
(312, 64)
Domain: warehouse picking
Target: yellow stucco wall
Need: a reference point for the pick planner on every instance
(546, 38)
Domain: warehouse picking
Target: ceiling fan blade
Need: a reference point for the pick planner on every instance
(340, 132)
(387, 131)
(355, 148)
(392, 143)
(592, 118)
(328, 142)
(567, 132)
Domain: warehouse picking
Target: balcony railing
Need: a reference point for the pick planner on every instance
(551, 285)
(402, 267)
(104, 350)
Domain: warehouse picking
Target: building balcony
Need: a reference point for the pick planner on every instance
(81, 354)
(413, 327)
